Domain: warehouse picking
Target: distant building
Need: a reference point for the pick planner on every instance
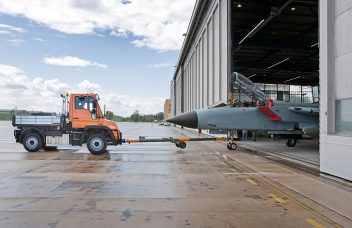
(167, 109)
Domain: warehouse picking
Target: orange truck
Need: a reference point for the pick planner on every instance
(82, 121)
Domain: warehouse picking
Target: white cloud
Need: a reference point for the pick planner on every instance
(157, 24)
(4, 32)
(39, 39)
(71, 61)
(16, 42)
(37, 94)
(8, 29)
(160, 65)
(17, 90)
(89, 87)
(119, 33)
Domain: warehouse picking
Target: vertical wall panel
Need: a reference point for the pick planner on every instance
(335, 85)
(210, 61)
(178, 91)
(194, 85)
(191, 84)
(196, 57)
(201, 72)
(199, 83)
(216, 73)
(172, 96)
(189, 88)
(206, 66)
(223, 48)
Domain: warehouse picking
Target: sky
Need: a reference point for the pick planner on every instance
(124, 50)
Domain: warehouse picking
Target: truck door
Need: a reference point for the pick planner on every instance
(84, 113)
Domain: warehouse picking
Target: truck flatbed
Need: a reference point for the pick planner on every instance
(36, 120)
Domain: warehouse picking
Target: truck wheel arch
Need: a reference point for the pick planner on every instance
(96, 129)
(31, 130)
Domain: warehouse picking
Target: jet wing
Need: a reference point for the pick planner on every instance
(305, 110)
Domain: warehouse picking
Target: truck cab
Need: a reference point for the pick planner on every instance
(82, 120)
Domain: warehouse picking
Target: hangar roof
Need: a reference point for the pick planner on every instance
(276, 41)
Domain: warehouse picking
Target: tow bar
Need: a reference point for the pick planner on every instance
(179, 142)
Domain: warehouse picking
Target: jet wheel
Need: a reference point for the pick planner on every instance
(231, 146)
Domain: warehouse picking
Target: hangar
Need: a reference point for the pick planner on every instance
(296, 50)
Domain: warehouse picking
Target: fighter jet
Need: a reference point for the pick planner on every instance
(279, 119)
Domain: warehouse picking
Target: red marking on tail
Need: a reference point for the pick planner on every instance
(270, 114)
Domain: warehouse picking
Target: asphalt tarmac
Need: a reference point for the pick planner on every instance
(160, 185)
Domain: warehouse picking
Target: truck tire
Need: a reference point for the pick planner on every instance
(182, 145)
(291, 142)
(32, 142)
(97, 144)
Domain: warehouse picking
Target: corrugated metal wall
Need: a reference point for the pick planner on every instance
(172, 97)
(178, 90)
(204, 70)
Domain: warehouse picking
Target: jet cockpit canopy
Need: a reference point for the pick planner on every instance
(248, 87)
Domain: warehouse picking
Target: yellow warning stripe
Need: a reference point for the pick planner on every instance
(252, 182)
(221, 139)
(314, 223)
(277, 198)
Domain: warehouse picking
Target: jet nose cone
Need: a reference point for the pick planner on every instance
(188, 119)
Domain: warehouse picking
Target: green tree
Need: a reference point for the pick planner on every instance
(109, 115)
(149, 118)
(159, 116)
(135, 117)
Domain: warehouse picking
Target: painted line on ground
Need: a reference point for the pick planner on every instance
(252, 182)
(240, 173)
(314, 223)
(277, 198)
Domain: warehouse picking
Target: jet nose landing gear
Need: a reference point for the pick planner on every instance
(231, 145)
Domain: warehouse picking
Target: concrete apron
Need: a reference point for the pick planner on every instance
(329, 194)
(152, 185)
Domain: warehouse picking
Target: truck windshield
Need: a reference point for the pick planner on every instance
(91, 104)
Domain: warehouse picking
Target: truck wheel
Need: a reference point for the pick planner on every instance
(182, 145)
(32, 142)
(97, 144)
(291, 142)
